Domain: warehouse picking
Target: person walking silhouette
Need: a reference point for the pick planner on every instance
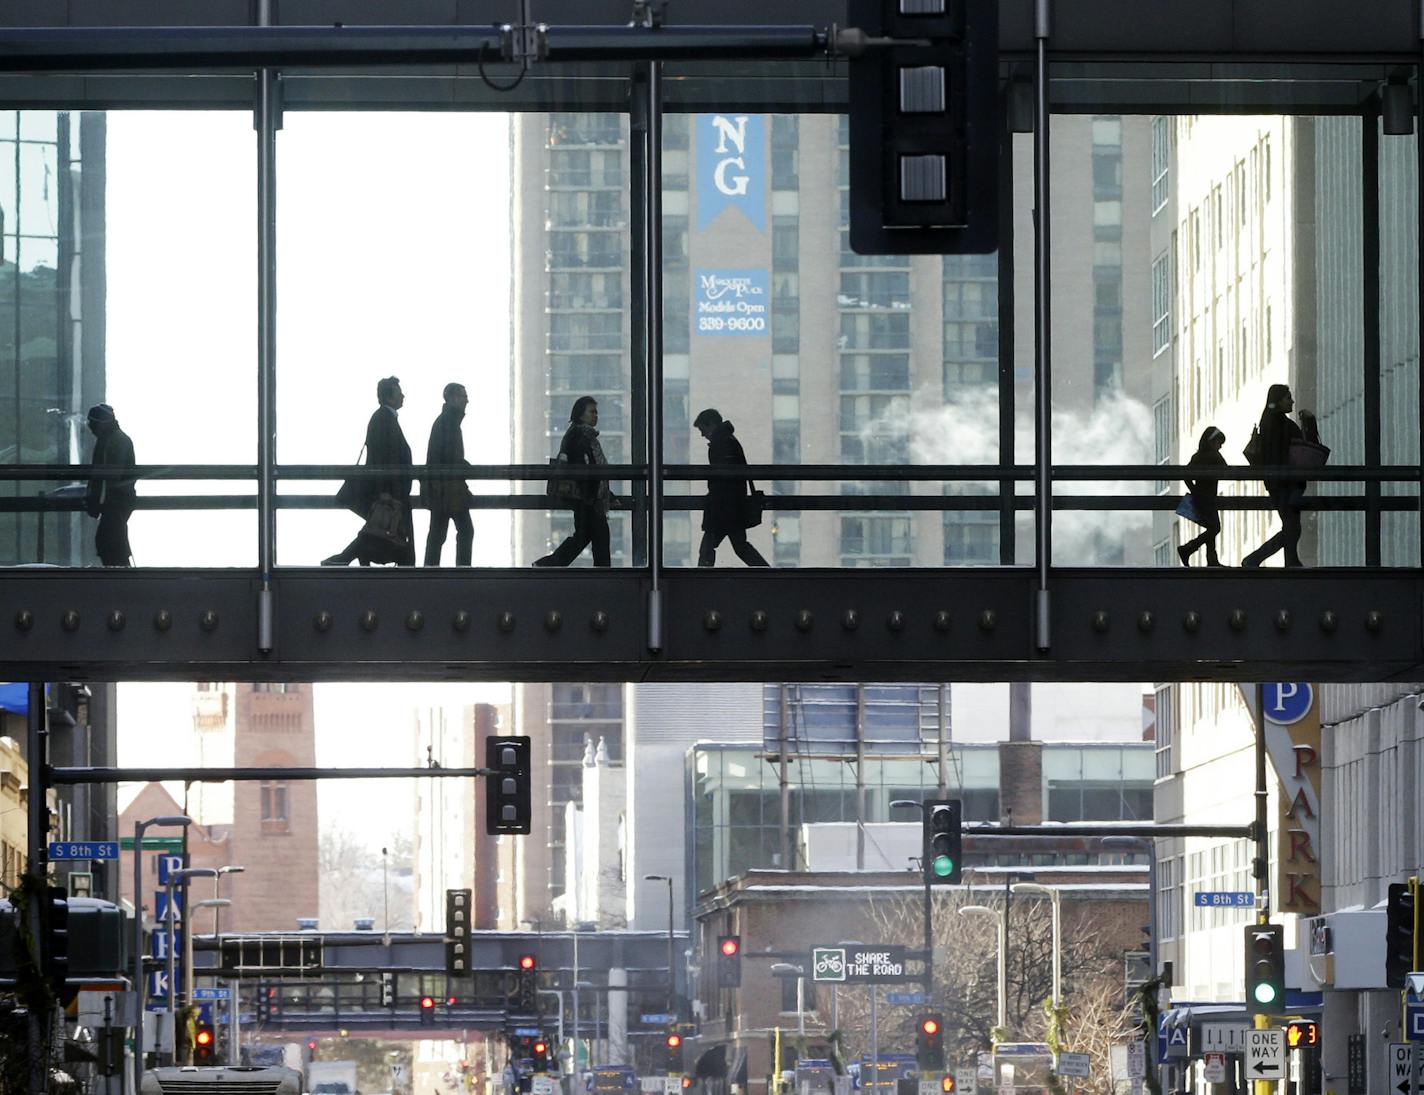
(1277, 432)
(447, 496)
(723, 518)
(580, 448)
(111, 500)
(386, 447)
(1204, 494)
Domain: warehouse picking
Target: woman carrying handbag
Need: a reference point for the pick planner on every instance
(384, 501)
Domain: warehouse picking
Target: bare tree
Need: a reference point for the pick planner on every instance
(355, 883)
(965, 986)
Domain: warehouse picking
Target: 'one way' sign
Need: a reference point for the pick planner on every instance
(1404, 1061)
(1265, 1055)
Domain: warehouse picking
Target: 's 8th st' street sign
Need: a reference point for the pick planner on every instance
(858, 963)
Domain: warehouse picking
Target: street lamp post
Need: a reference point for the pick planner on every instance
(1003, 965)
(139, 828)
(906, 803)
(234, 1004)
(183, 876)
(786, 969)
(672, 975)
(1054, 895)
(1153, 953)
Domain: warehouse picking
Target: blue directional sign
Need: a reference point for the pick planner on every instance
(84, 849)
(657, 1017)
(905, 997)
(1414, 1022)
(211, 994)
(1287, 702)
(527, 1032)
(1224, 899)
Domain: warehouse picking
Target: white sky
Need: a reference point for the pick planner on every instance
(393, 258)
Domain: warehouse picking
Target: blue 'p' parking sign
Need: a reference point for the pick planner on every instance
(1287, 702)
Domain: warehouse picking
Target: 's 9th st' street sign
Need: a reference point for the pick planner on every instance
(858, 963)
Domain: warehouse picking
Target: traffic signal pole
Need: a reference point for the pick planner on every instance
(37, 760)
(929, 942)
(1259, 866)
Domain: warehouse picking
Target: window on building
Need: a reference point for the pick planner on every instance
(1166, 731)
(1161, 303)
(1161, 149)
(275, 815)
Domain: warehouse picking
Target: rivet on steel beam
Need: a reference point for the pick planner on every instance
(895, 621)
(1237, 619)
(162, 620)
(553, 620)
(116, 620)
(1283, 619)
(1145, 622)
(208, 621)
(322, 621)
(1100, 621)
(461, 621)
(599, 620)
(69, 620)
(1329, 622)
(759, 620)
(1374, 620)
(941, 620)
(804, 619)
(505, 621)
(988, 620)
(414, 620)
(369, 620)
(850, 620)
(24, 620)
(1192, 621)
(712, 620)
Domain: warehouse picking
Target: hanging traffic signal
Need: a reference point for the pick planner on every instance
(388, 990)
(673, 1044)
(55, 953)
(1265, 969)
(427, 1010)
(929, 1043)
(729, 961)
(204, 1043)
(457, 932)
(541, 1056)
(528, 963)
(924, 127)
(508, 806)
(941, 857)
(1401, 932)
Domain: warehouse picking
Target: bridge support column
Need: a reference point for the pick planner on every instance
(618, 1017)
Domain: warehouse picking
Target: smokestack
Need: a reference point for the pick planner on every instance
(1020, 712)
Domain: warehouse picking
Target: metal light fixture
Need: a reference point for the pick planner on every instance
(1397, 109)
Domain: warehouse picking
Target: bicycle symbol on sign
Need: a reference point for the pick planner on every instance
(828, 964)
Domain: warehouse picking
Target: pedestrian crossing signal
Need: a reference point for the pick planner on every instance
(1302, 1032)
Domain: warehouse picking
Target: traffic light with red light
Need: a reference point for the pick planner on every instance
(729, 961)
(929, 1043)
(1265, 969)
(427, 1010)
(541, 1056)
(204, 1043)
(673, 1044)
(311, 1045)
(528, 963)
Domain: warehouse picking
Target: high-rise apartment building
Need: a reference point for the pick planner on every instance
(816, 354)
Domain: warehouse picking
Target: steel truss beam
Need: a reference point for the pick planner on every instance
(511, 625)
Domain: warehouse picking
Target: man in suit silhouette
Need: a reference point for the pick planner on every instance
(386, 447)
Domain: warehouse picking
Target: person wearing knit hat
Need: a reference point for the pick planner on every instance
(110, 498)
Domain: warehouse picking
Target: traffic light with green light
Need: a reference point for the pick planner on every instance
(1265, 969)
(942, 856)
